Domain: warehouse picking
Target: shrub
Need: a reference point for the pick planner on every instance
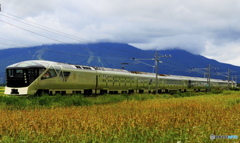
(75, 100)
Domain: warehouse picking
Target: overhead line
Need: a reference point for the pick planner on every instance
(56, 32)
(53, 31)
(32, 32)
(39, 27)
(45, 28)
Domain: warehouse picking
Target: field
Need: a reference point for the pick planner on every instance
(1, 90)
(134, 118)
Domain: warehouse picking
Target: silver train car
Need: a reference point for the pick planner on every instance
(38, 76)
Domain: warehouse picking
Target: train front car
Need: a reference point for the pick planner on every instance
(21, 76)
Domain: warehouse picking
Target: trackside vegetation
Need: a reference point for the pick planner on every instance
(1, 90)
(46, 101)
(181, 117)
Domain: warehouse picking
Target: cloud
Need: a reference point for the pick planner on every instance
(201, 27)
(226, 53)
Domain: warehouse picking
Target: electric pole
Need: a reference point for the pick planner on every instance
(156, 69)
(157, 60)
(229, 71)
(208, 75)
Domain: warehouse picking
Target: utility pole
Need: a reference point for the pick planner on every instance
(156, 69)
(208, 77)
(229, 71)
(157, 60)
(228, 77)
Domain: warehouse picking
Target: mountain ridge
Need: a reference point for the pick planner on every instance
(111, 55)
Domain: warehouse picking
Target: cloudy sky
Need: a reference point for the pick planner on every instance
(207, 27)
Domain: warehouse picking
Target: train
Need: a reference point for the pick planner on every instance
(39, 76)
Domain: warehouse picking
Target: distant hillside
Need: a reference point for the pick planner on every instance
(112, 55)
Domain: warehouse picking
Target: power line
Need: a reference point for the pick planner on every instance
(44, 28)
(32, 32)
(157, 60)
(16, 18)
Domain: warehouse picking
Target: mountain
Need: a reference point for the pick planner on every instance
(112, 55)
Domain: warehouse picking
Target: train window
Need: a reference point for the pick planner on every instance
(16, 73)
(16, 78)
(61, 76)
(10, 73)
(66, 75)
(79, 67)
(41, 71)
(58, 69)
(52, 72)
(46, 76)
(87, 68)
(49, 74)
(32, 75)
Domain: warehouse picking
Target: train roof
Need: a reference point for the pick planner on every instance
(28, 64)
(47, 64)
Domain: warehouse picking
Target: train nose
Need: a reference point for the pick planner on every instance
(14, 91)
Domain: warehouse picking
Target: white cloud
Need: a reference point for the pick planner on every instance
(202, 27)
(223, 52)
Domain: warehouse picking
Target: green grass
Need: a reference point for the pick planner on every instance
(1, 90)
(46, 101)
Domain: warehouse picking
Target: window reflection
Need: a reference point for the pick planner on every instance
(49, 74)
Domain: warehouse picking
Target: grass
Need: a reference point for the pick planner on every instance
(120, 118)
(46, 101)
(1, 90)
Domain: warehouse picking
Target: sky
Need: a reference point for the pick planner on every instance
(207, 27)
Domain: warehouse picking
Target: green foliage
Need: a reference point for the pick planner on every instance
(235, 88)
(216, 92)
(1, 90)
(183, 94)
(233, 102)
(13, 102)
(31, 102)
(74, 100)
(108, 98)
(142, 97)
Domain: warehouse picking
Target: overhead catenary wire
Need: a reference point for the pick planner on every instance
(18, 19)
(46, 37)
(58, 33)
(42, 27)
(33, 32)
